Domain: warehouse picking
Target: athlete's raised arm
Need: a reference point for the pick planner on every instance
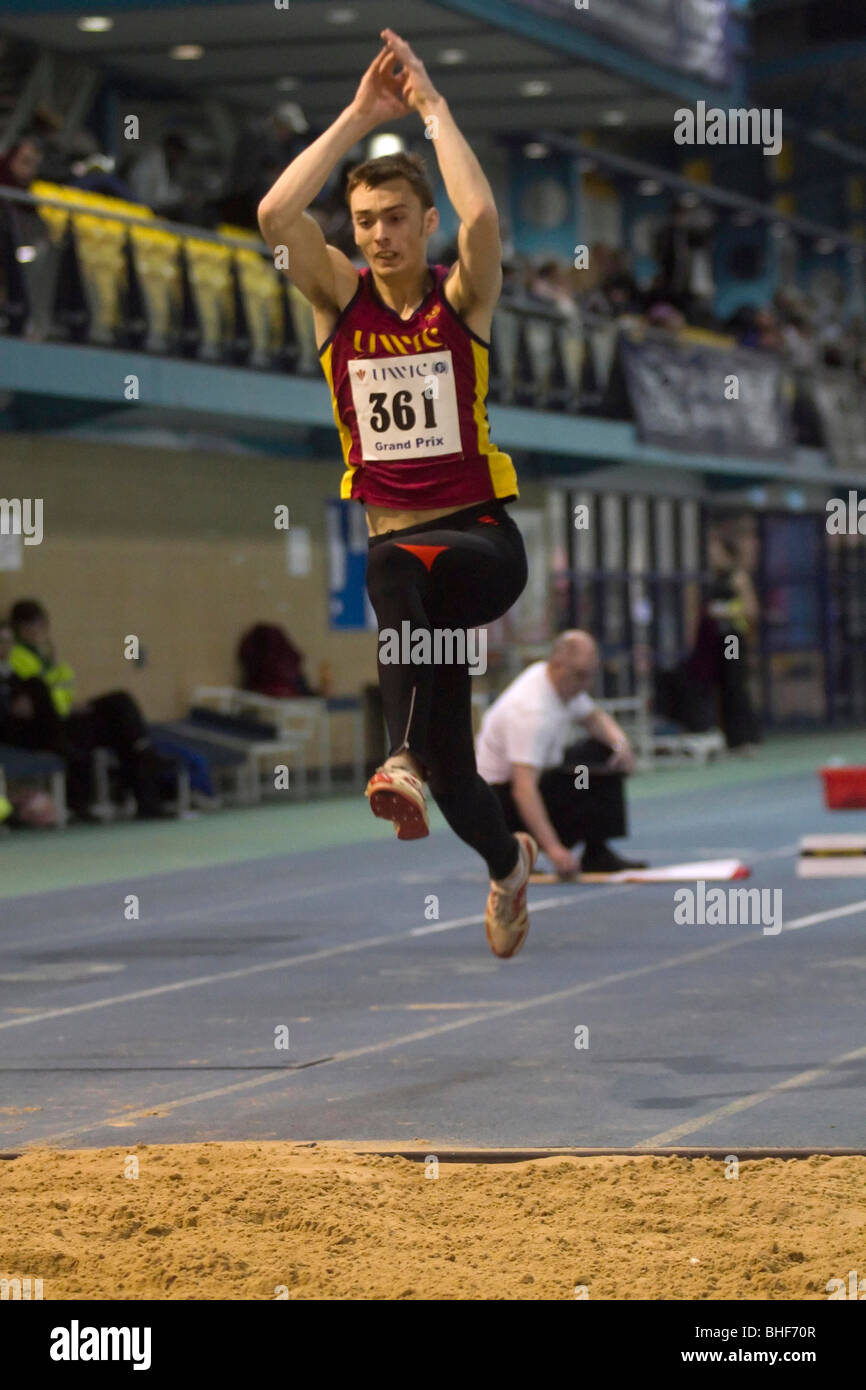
(479, 273)
(321, 272)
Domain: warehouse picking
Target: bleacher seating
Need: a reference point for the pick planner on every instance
(101, 270)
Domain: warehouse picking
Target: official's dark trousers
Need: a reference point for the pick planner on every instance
(579, 815)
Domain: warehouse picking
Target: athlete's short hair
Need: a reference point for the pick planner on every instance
(403, 165)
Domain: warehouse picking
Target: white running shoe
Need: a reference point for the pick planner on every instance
(507, 918)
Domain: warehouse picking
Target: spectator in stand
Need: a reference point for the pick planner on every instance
(797, 328)
(665, 317)
(93, 171)
(333, 215)
(159, 177)
(111, 721)
(27, 716)
(20, 224)
(718, 666)
(23, 706)
(516, 275)
(262, 152)
(756, 327)
(552, 282)
(684, 255)
(769, 331)
(612, 292)
(19, 166)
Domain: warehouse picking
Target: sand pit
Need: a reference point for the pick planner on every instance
(268, 1220)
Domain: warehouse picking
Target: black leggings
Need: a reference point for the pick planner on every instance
(461, 571)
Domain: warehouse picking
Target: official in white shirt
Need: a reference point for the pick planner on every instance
(563, 795)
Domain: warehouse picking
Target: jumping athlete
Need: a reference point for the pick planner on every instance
(404, 347)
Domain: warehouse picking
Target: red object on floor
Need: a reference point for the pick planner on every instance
(426, 553)
(844, 788)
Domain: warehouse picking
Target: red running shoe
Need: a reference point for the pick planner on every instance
(398, 796)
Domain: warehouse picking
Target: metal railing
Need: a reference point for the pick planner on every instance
(88, 269)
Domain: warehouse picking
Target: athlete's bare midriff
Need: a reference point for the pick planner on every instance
(382, 519)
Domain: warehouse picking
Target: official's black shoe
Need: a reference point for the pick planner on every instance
(151, 811)
(600, 860)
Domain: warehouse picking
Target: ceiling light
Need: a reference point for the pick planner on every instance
(386, 143)
(449, 56)
(342, 15)
(613, 117)
(649, 188)
(186, 52)
(95, 24)
(536, 150)
(535, 87)
(25, 254)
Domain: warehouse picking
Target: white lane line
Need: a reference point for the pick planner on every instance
(216, 978)
(159, 1108)
(670, 1136)
(734, 1107)
(326, 952)
(568, 900)
(454, 1025)
(185, 914)
(387, 1044)
(67, 972)
(314, 890)
(845, 911)
(285, 962)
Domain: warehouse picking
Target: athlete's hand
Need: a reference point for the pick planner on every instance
(418, 90)
(379, 96)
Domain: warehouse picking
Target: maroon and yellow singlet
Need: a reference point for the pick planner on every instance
(409, 401)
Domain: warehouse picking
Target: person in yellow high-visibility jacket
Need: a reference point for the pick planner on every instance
(111, 721)
(28, 662)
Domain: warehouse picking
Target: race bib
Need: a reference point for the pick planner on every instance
(406, 405)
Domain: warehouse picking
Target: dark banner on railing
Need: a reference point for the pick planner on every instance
(689, 35)
(841, 404)
(710, 400)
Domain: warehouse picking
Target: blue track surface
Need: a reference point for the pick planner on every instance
(405, 1029)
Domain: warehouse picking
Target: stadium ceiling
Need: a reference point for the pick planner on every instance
(256, 55)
